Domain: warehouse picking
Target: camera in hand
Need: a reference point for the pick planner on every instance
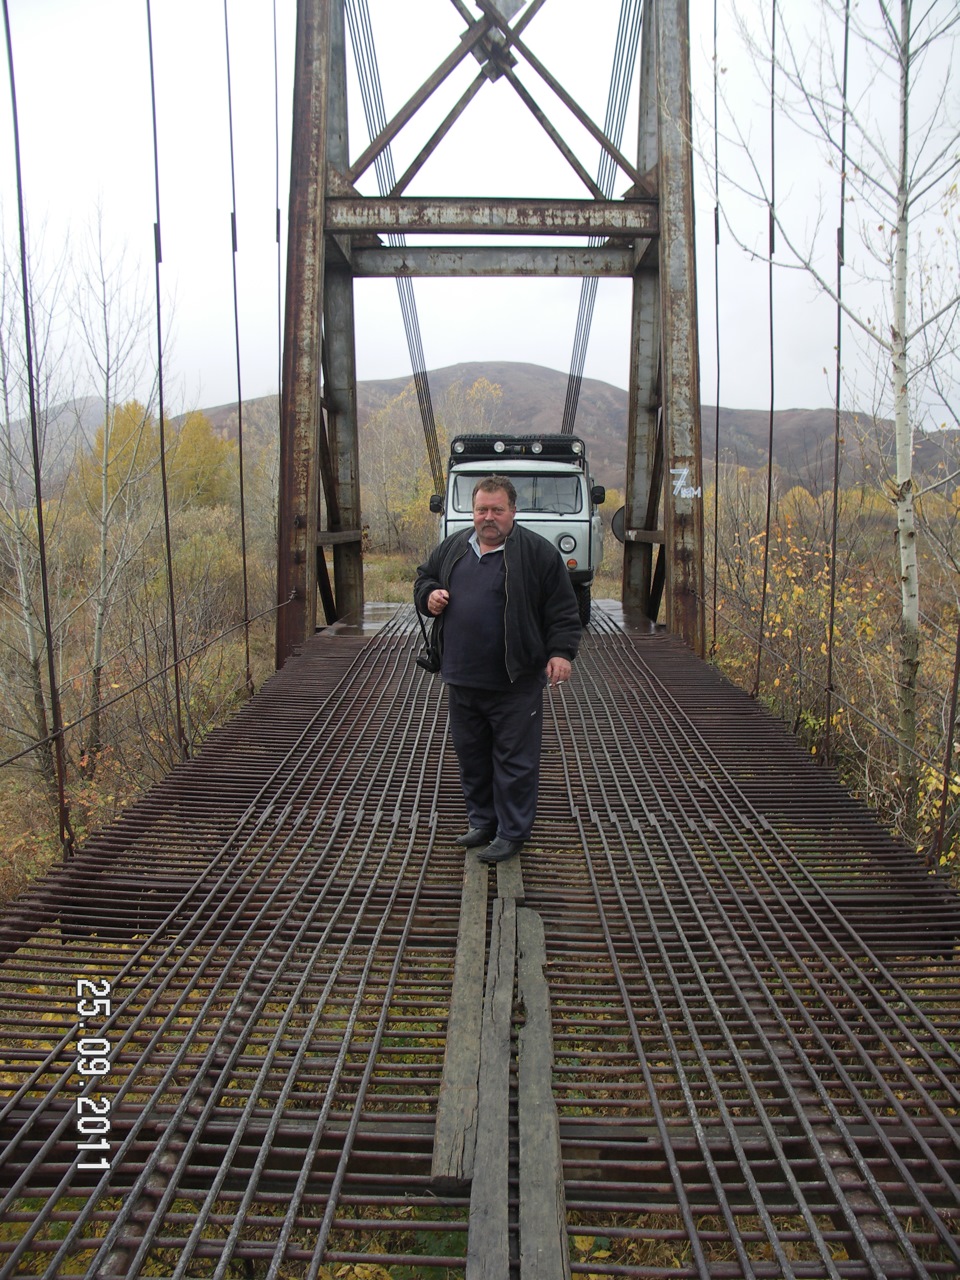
(429, 656)
(429, 659)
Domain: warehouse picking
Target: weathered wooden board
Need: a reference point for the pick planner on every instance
(510, 880)
(544, 1252)
(455, 1134)
(488, 1239)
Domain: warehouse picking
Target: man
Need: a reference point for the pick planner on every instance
(506, 623)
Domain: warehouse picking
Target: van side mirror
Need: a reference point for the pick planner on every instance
(598, 495)
(436, 504)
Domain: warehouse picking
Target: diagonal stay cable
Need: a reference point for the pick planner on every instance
(621, 78)
(361, 35)
(182, 742)
(236, 341)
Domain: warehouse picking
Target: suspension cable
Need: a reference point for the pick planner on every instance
(276, 196)
(168, 543)
(236, 338)
(621, 78)
(831, 615)
(771, 225)
(60, 766)
(361, 35)
(716, 323)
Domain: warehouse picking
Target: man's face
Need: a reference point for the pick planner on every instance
(492, 517)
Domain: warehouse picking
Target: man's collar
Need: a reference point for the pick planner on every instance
(474, 542)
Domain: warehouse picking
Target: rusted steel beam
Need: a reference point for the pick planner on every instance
(476, 215)
(468, 42)
(333, 538)
(340, 361)
(427, 150)
(644, 479)
(485, 43)
(300, 383)
(511, 38)
(514, 261)
(683, 462)
(528, 100)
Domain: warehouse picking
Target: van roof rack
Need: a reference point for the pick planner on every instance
(488, 445)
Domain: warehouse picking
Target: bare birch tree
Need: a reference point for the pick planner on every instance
(112, 315)
(886, 122)
(23, 635)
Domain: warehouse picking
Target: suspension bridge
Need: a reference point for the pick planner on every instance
(275, 1022)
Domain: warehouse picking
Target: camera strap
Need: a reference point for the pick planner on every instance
(426, 638)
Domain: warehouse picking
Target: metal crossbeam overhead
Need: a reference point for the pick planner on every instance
(518, 261)
(334, 237)
(359, 215)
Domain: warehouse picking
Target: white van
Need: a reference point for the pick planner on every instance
(556, 496)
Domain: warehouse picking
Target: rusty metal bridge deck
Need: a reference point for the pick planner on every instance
(226, 1020)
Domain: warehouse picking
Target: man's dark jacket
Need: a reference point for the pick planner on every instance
(541, 619)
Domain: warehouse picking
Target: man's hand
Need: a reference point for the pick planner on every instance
(437, 601)
(558, 670)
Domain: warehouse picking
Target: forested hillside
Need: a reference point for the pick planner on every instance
(532, 399)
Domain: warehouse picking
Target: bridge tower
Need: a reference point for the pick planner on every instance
(336, 235)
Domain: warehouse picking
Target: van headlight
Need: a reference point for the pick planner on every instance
(567, 543)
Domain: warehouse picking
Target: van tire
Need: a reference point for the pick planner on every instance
(583, 604)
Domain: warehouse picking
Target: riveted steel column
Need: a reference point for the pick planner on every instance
(341, 397)
(644, 479)
(340, 390)
(300, 387)
(683, 487)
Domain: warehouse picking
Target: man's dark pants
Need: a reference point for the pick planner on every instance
(497, 736)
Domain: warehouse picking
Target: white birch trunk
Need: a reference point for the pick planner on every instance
(906, 525)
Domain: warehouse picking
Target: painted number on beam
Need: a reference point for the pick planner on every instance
(680, 487)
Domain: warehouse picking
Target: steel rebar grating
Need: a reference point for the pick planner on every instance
(233, 1004)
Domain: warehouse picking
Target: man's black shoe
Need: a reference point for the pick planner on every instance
(499, 850)
(475, 837)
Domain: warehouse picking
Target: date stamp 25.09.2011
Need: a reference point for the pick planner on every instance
(94, 1004)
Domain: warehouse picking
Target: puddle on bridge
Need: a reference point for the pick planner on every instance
(376, 614)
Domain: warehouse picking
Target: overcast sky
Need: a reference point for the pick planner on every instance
(83, 91)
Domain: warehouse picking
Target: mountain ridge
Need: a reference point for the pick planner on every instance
(533, 399)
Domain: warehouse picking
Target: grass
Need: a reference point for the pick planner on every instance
(389, 579)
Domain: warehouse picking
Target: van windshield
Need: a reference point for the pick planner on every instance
(553, 494)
